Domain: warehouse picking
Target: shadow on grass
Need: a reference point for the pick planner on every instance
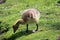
(19, 34)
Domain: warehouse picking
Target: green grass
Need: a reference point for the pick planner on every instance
(49, 22)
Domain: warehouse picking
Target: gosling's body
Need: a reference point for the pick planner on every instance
(29, 15)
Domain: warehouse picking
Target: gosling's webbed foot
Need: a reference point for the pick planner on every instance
(34, 30)
(26, 31)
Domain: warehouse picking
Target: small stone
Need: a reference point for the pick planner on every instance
(58, 37)
(2, 1)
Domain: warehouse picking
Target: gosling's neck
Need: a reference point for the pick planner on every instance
(21, 21)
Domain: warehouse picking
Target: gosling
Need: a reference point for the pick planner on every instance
(28, 15)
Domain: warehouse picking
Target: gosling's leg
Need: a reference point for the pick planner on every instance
(26, 27)
(36, 28)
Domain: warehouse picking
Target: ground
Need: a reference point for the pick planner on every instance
(49, 23)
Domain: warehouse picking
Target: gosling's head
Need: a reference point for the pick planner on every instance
(16, 25)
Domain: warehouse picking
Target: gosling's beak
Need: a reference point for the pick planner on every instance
(15, 28)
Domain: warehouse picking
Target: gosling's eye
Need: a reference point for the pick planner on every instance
(28, 16)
